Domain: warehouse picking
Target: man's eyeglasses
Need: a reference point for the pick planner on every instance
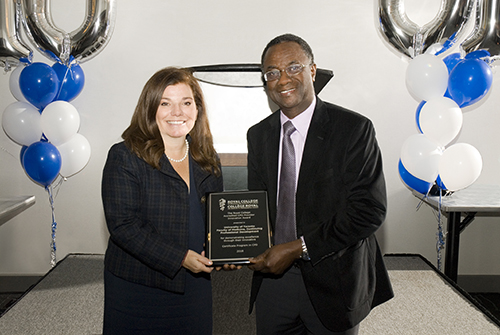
(291, 70)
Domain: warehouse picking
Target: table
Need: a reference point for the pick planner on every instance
(476, 200)
(10, 207)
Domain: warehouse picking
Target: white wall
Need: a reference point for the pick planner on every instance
(149, 35)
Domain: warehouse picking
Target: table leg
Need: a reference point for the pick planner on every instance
(452, 246)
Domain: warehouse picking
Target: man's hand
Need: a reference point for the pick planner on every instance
(228, 267)
(277, 258)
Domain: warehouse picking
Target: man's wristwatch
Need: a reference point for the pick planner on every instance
(305, 254)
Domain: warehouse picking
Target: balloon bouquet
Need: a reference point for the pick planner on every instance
(443, 87)
(42, 120)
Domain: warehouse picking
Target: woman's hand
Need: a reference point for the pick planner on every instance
(196, 263)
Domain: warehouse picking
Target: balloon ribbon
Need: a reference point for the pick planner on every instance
(439, 235)
(53, 259)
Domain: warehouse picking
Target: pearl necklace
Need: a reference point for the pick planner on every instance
(183, 158)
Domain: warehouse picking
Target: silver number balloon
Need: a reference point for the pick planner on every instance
(447, 26)
(410, 39)
(12, 48)
(83, 44)
(486, 33)
(396, 27)
(94, 34)
(50, 41)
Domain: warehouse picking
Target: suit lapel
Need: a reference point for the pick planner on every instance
(313, 149)
(271, 137)
(273, 141)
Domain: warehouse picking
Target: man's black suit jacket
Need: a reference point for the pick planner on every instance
(340, 203)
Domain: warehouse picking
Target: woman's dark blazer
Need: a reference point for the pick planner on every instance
(340, 203)
(147, 214)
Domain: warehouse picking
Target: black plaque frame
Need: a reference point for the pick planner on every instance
(238, 226)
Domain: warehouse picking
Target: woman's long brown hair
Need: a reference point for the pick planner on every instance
(143, 137)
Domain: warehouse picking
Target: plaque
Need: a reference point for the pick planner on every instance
(237, 226)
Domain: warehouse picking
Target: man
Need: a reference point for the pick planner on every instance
(325, 271)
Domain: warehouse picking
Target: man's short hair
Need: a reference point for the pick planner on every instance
(288, 38)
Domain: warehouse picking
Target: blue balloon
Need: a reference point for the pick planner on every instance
(72, 81)
(21, 154)
(469, 81)
(478, 54)
(438, 189)
(448, 43)
(440, 184)
(39, 84)
(413, 182)
(451, 60)
(42, 162)
(417, 115)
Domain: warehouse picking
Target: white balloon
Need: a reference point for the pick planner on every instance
(21, 122)
(60, 121)
(15, 89)
(460, 166)
(75, 155)
(427, 77)
(441, 120)
(420, 156)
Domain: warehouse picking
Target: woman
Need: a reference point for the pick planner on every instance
(157, 279)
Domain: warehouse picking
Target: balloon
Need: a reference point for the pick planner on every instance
(395, 26)
(51, 41)
(39, 84)
(21, 122)
(94, 34)
(12, 48)
(447, 26)
(75, 155)
(412, 40)
(14, 87)
(486, 33)
(60, 122)
(42, 162)
(470, 81)
(417, 115)
(72, 81)
(427, 77)
(21, 155)
(441, 120)
(420, 156)
(83, 44)
(439, 183)
(477, 54)
(460, 166)
(412, 182)
(451, 60)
